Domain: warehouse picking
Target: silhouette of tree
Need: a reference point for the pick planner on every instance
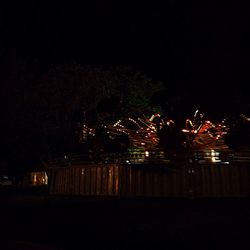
(42, 110)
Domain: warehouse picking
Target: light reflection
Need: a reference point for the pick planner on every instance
(38, 178)
(214, 156)
(209, 156)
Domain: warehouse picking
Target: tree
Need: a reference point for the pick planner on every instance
(46, 108)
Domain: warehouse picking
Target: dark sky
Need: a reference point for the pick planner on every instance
(188, 47)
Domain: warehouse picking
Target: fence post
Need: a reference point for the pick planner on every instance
(189, 162)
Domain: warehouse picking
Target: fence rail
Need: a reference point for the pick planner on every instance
(149, 157)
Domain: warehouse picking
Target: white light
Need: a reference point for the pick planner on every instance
(212, 153)
(46, 179)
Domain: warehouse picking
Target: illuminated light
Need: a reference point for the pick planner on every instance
(146, 153)
(151, 118)
(46, 179)
(83, 171)
(215, 159)
(215, 156)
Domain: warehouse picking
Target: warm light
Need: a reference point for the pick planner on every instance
(46, 179)
(146, 153)
(39, 178)
(215, 156)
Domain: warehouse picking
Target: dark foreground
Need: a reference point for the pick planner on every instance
(46, 222)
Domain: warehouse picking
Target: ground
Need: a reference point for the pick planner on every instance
(59, 222)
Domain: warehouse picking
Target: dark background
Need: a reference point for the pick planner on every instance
(200, 53)
(204, 49)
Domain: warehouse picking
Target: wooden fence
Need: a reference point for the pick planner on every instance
(220, 180)
(85, 180)
(205, 174)
(154, 181)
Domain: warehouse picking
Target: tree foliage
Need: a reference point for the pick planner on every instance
(42, 110)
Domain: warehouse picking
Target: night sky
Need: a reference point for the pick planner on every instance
(199, 50)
